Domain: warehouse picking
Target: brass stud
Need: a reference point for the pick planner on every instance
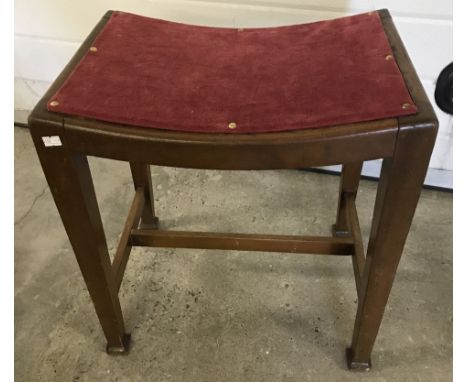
(93, 49)
(54, 103)
(389, 57)
(232, 125)
(406, 106)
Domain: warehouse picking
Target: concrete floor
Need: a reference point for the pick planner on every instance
(199, 315)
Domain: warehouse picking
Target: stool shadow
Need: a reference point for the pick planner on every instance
(410, 355)
(331, 344)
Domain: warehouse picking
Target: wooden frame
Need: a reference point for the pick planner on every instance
(404, 143)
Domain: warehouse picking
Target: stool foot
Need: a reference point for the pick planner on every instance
(337, 232)
(120, 350)
(152, 224)
(354, 365)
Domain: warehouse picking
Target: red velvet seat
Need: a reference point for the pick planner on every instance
(159, 74)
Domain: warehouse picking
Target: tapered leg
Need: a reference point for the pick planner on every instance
(71, 185)
(141, 174)
(350, 176)
(398, 192)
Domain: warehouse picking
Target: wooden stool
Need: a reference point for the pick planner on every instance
(349, 116)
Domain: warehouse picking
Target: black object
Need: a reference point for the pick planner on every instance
(444, 89)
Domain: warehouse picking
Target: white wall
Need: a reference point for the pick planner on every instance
(48, 32)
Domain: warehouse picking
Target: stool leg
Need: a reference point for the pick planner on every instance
(350, 176)
(398, 192)
(141, 174)
(70, 182)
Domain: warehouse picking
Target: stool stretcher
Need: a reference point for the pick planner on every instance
(243, 242)
(125, 246)
(359, 258)
(132, 235)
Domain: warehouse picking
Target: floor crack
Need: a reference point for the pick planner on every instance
(40, 195)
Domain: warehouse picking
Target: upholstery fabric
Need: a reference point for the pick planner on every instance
(158, 74)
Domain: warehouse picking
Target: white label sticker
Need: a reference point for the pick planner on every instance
(53, 140)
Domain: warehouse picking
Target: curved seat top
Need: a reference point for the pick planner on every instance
(163, 75)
